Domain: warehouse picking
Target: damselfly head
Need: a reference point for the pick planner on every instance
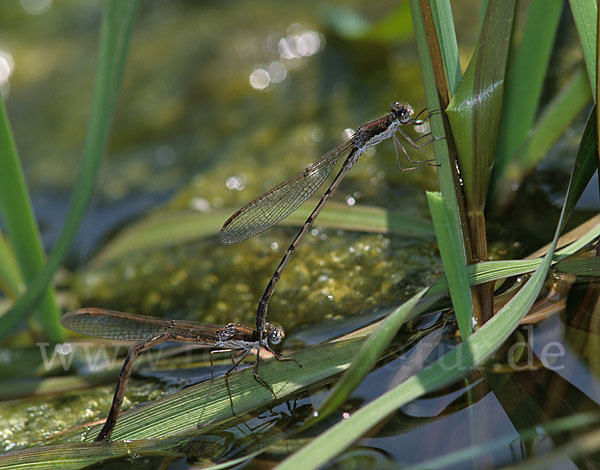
(402, 111)
(275, 333)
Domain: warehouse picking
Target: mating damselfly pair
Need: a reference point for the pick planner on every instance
(254, 218)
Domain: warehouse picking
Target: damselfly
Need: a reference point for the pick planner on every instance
(279, 202)
(147, 332)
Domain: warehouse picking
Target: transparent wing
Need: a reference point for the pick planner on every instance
(279, 202)
(110, 324)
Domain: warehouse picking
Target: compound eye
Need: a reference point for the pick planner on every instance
(276, 334)
(403, 112)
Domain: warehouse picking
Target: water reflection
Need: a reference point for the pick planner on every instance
(299, 45)
(7, 64)
(296, 45)
(36, 7)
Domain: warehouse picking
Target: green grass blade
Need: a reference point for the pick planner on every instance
(581, 267)
(15, 205)
(442, 14)
(437, 98)
(489, 271)
(454, 264)
(75, 456)
(585, 14)
(476, 108)
(556, 117)
(431, 58)
(11, 280)
(435, 90)
(369, 353)
(474, 114)
(525, 78)
(21, 227)
(116, 30)
(586, 162)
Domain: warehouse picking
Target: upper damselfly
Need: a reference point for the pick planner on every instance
(279, 202)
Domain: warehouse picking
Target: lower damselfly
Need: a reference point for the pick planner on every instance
(279, 202)
(147, 332)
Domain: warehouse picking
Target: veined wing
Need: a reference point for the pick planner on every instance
(110, 324)
(279, 202)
